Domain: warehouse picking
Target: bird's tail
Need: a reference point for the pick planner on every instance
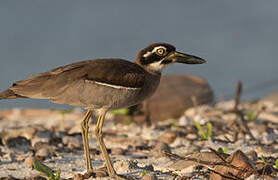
(8, 94)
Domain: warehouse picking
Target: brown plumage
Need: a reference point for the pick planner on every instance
(112, 71)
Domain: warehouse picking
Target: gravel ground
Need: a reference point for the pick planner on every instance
(170, 149)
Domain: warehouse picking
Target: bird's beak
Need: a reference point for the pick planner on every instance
(185, 58)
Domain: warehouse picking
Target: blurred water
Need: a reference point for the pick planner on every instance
(238, 38)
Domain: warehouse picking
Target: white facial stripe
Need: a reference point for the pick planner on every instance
(156, 66)
(153, 51)
(111, 85)
(147, 54)
(158, 47)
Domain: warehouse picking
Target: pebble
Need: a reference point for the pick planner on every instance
(42, 136)
(117, 151)
(43, 153)
(11, 156)
(191, 136)
(72, 141)
(184, 121)
(29, 161)
(78, 177)
(168, 137)
(123, 166)
(159, 149)
(149, 177)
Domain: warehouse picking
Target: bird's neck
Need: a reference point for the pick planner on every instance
(149, 69)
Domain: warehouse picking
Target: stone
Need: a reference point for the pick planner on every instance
(189, 166)
(42, 136)
(43, 153)
(26, 133)
(72, 141)
(159, 149)
(78, 177)
(149, 177)
(174, 95)
(168, 137)
(123, 166)
(29, 161)
(19, 143)
(117, 151)
(239, 160)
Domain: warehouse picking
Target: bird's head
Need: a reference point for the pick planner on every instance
(159, 55)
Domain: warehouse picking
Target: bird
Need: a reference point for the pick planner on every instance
(101, 85)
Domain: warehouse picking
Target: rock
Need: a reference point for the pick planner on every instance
(149, 177)
(78, 177)
(239, 160)
(191, 136)
(11, 156)
(117, 151)
(174, 95)
(38, 177)
(168, 137)
(252, 155)
(159, 149)
(43, 153)
(265, 177)
(270, 117)
(19, 143)
(29, 161)
(188, 166)
(72, 141)
(123, 166)
(42, 136)
(40, 145)
(26, 132)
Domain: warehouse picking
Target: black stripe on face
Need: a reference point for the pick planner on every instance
(166, 61)
(150, 59)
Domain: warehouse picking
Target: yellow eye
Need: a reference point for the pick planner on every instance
(160, 51)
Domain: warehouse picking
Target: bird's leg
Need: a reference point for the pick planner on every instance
(84, 130)
(111, 171)
(98, 133)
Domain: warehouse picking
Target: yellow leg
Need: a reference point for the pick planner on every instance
(98, 133)
(84, 131)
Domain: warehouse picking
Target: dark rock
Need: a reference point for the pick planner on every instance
(12, 133)
(19, 143)
(174, 96)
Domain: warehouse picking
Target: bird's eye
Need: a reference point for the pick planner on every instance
(160, 51)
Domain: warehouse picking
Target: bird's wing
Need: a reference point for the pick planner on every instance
(50, 84)
(116, 72)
